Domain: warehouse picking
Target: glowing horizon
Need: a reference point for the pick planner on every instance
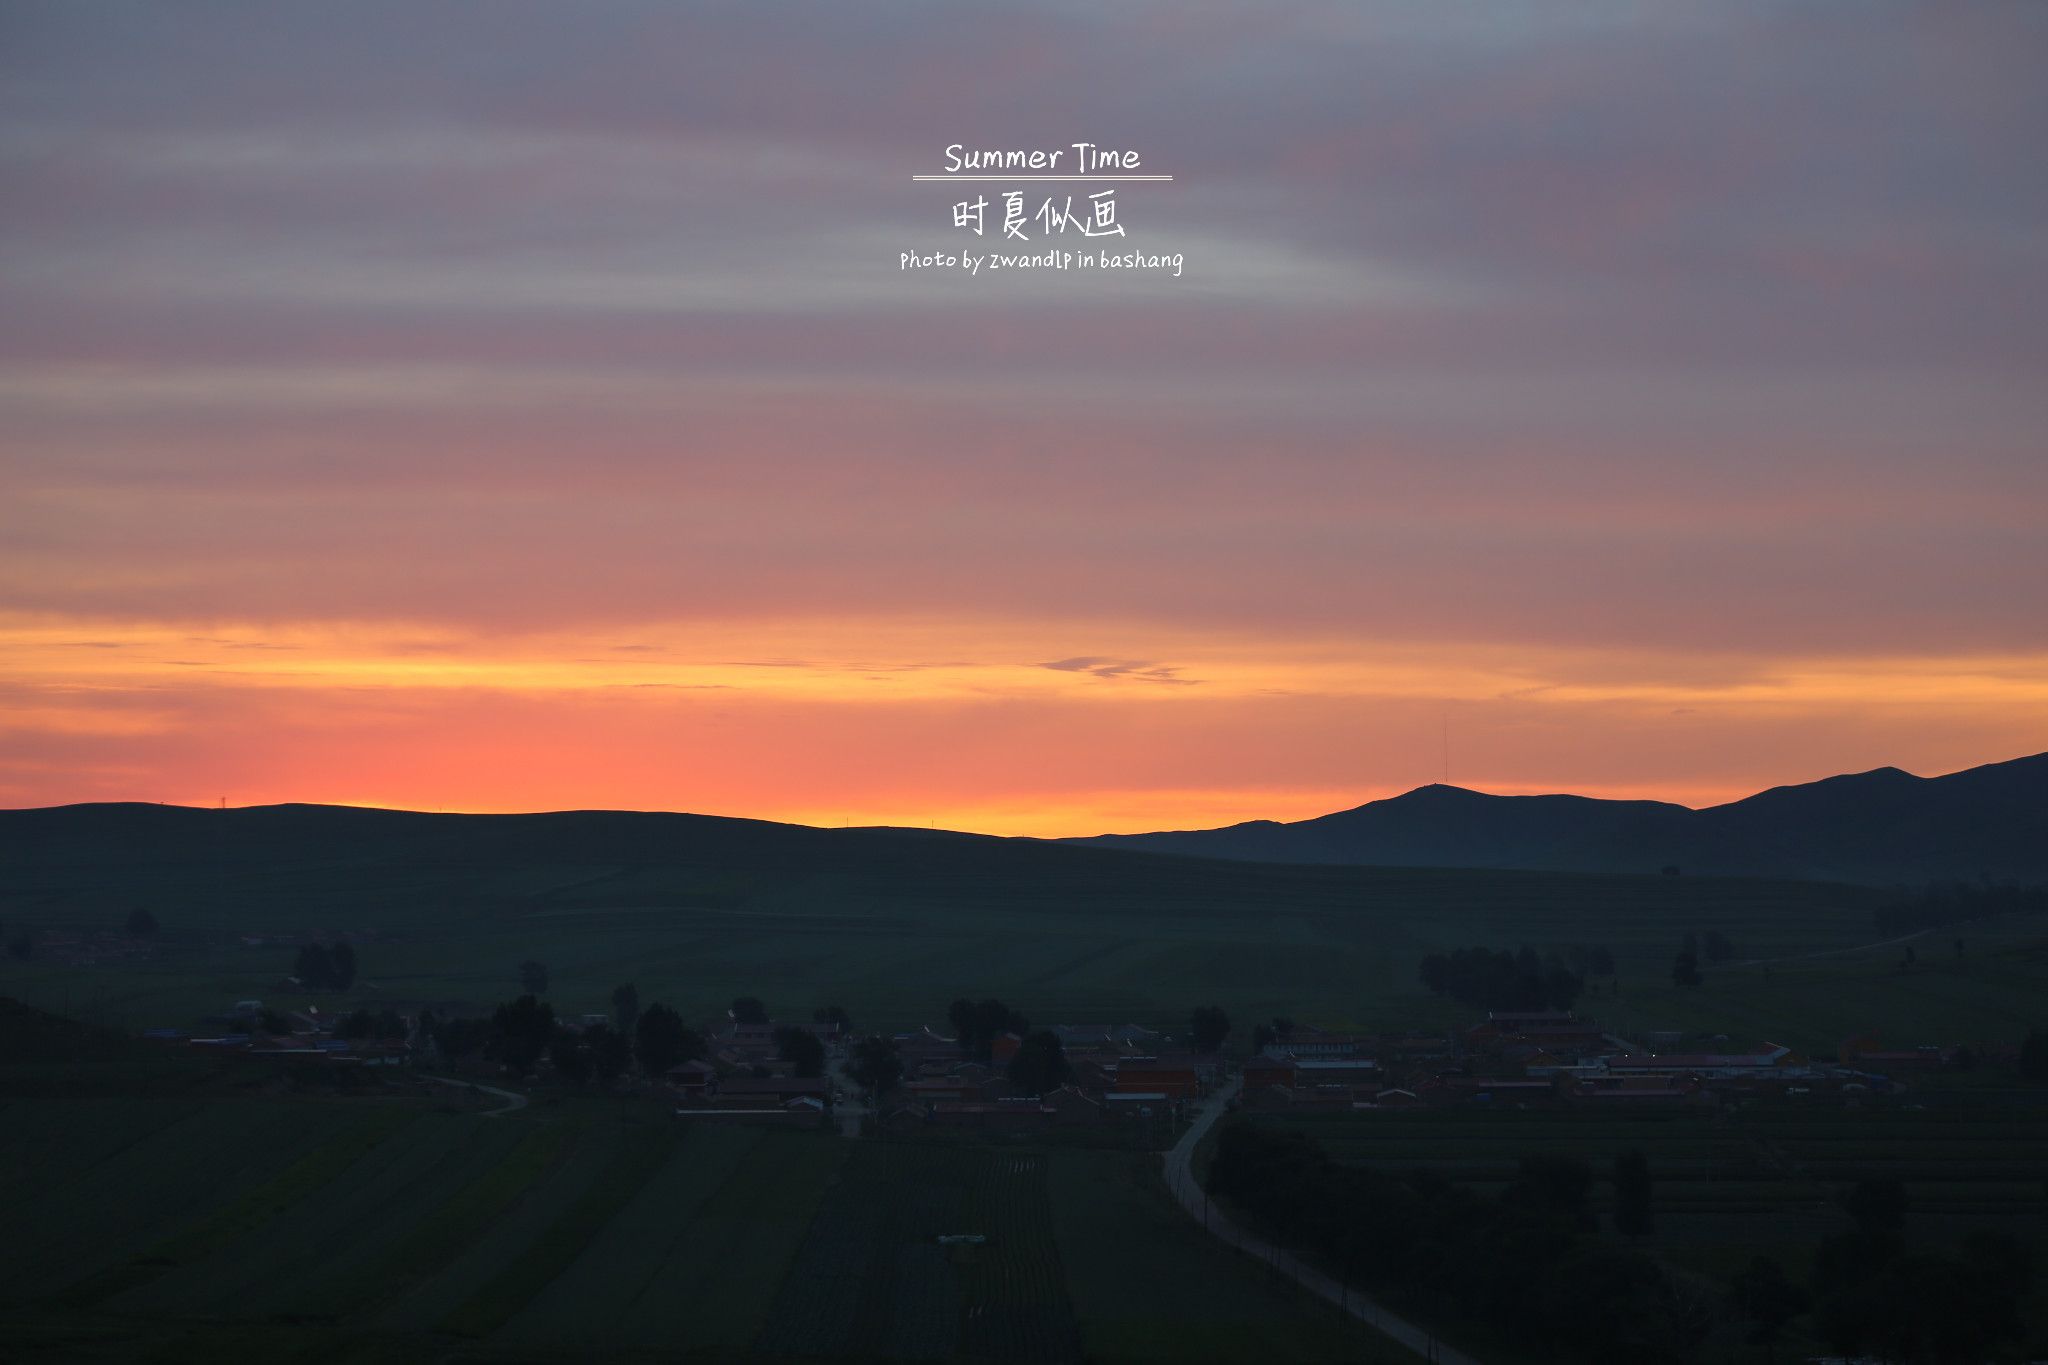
(573, 440)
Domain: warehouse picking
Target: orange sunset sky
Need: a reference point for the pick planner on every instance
(405, 410)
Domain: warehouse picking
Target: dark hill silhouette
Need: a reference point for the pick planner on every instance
(1884, 827)
(269, 868)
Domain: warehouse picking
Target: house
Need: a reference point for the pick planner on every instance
(802, 1112)
(1706, 1065)
(749, 1042)
(1337, 1071)
(924, 1047)
(955, 1089)
(776, 1088)
(1068, 1106)
(694, 1078)
(1305, 1043)
(1265, 1070)
(1173, 1078)
(1865, 1051)
(1073, 1036)
(1013, 1114)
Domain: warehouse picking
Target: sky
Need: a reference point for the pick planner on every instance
(524, 406)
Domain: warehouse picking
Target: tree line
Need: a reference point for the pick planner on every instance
(1487, 979)
(1520, 1263)
(1524, 1262)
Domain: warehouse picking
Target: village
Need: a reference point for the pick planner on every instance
(1140, 1080)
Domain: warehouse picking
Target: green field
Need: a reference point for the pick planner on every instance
(895, 925)
(373, 1229)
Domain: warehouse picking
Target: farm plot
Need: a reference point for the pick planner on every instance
(1147, 1284)
(1019, 1302)
(464, 1281)
(133, 1213)
(873, 1280)
(46, 1145)
(696, 1257)
(375, 1199)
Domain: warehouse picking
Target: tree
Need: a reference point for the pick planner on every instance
(313, 968)
(1263, 1037)
(462, 1037)
(1766, 1300)
(802, 1049)
(748, 1010)
(1490, 980)
(341, 960)
(1561, 986)
(1600, 962)
(1555, 1186)
(626, 1009)
(273, 1023)
(141, 924)
(521, 1032)
(661, 1041)
(977, 1024)
(658, 1039)
(533, 978)
(1685, 969)
(1717, 946)
(832, 1014)
(608, 1051)
(875, 1067)
(1040, 1064)
(1208, 1026)
(1632, 1214)
(1923, 1308)
(570, 1058)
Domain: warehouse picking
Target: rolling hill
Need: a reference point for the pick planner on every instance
(697, 909)
(1880, 828)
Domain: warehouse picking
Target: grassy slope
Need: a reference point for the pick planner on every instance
(890, 924)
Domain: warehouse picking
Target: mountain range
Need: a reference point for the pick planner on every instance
(1885, 827)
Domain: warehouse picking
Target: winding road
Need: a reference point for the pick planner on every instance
(1180, 1178)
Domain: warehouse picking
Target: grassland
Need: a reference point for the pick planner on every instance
(893, 925)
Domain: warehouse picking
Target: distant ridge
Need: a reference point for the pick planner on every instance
(1884, 827)
(1880, 828)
